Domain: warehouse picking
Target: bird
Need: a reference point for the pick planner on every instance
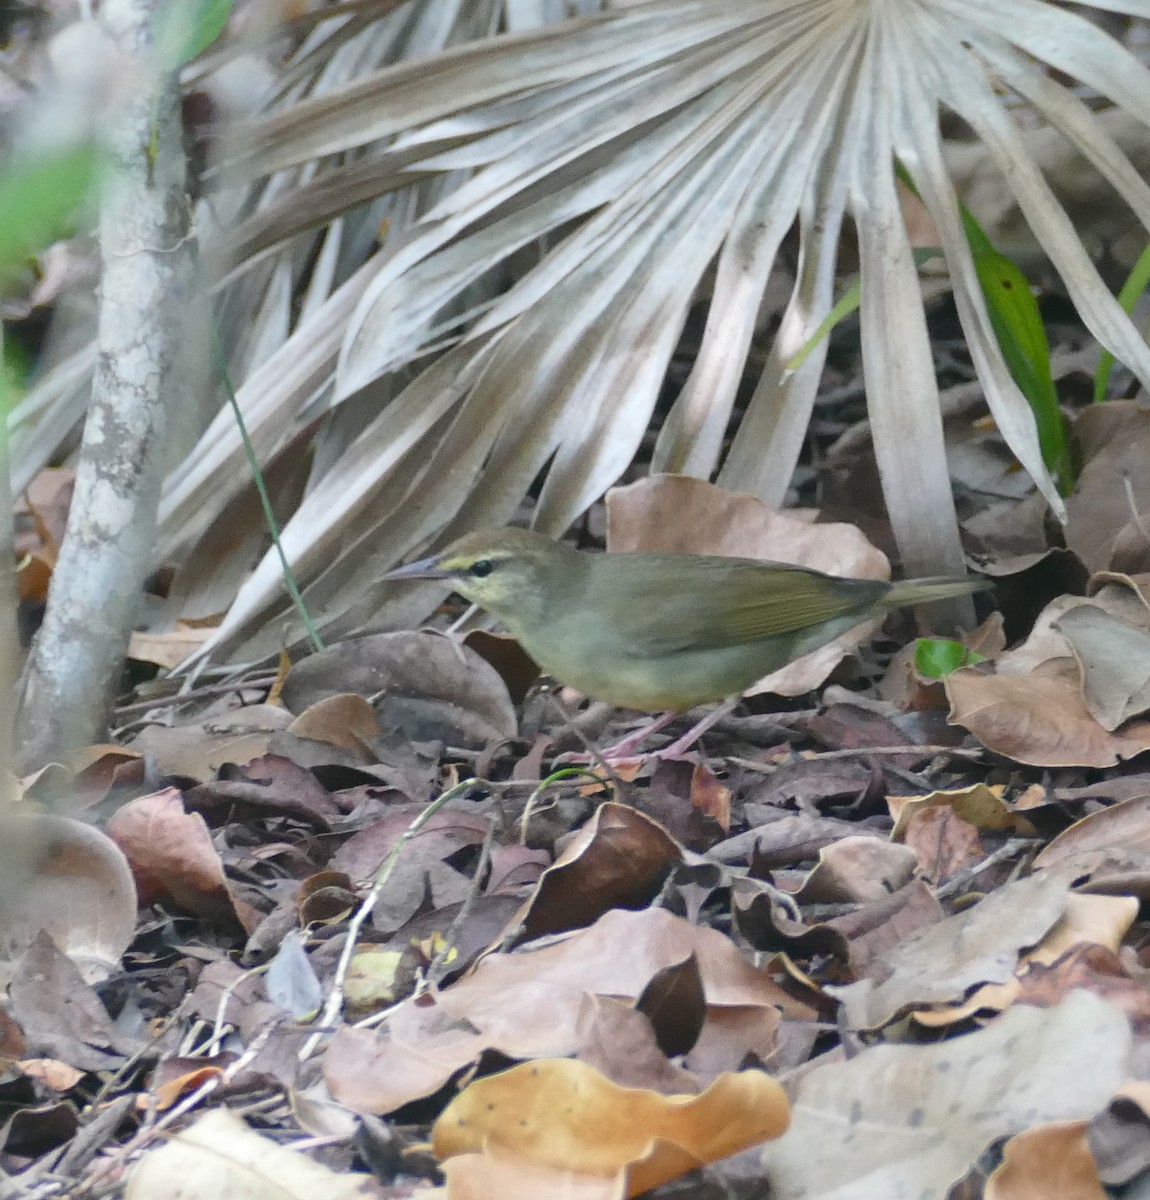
(661, 632)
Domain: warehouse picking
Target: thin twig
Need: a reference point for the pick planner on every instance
(592, 750)
(436, 968)
(333, 1008)
(384, 1014)
(103, 1170)
(179, 699)
(215, 1043)
(963, 879)
(861, 752)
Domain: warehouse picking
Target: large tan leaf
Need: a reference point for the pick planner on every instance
(912, 1120)
(1066, 695)
(979, 945)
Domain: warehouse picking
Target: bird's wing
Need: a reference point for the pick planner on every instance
(677, 602)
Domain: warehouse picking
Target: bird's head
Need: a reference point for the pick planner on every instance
(508, 572)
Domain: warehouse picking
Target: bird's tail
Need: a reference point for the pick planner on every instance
(937, 587)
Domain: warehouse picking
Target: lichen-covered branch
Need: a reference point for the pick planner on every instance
(73, 671)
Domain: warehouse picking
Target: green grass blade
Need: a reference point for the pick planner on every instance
(1132, 290)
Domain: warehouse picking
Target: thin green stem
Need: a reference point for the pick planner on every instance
(265, 500)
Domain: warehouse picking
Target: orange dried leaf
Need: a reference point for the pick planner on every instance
(167, 1094)
(1049, 1160)
(564, 1114)
(481, 1176)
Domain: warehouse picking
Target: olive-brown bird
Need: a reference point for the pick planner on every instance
(661, 632)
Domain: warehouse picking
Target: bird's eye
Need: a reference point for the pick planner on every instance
(481, 568)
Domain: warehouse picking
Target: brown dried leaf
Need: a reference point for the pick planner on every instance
(675, 1003)
(421, 1050)
(346, 720)
(710, 797)
(1130, 550)
(1087, 845)
(1039, 718)
(619, 859)
(516, 667)
(51, 1073)
(173, 858)
(199, 749)
(874, 930)
(268, 784)
(1114, 658)
(943, 843)
(546, 1002)
(1115, 442)
(1034, 707)
(807, 782)
(980, 805)
(532, 1003)
(732, 1037)
(46, 501)
(168, 648)
(1092, 968)
(621, 1044)
(688, 802)
(60, 1015)
(1088, 923)
(429, 686)
(1119, 1140)
(857, 869)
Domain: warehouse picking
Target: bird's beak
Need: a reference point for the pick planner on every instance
(424, 568)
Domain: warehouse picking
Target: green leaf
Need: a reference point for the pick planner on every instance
(1021, 335)
(935, 658)
(975, 235)
(847, 304)
(10, 374)
(185, 28)
(1132, 289)
(38, 200)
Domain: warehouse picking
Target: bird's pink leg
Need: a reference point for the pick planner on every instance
(679, 748)
(627, 747)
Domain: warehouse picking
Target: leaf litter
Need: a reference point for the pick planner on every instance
(884, 945)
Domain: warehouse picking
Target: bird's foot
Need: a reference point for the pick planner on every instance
(627, 747)
(626, 757)
(623, 755)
